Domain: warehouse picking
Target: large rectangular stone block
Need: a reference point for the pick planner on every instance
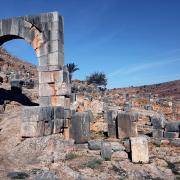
(45, 101)
(59, 112)
(80, 127)
(58, 76)
(54, 89)
(58, 125)
(32, 129)
(173, 127)
(37, 113)
(171, 135)
(139, 150)
(106, 151)
(127, 126)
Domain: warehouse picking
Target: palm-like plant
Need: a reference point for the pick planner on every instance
(71, 68)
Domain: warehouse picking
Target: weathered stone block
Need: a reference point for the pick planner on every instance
(37, 113)
(139, 150)
(94, 144)
(48, 128)
(106, 151)
(46, 113)
(58, 125)
(158, 133)
(158, 121)
(45, 100)
(91, 116)
(67, 114)
(32, 129)
(173, 127)
(127, 126)
(73, 97)
(119, 156)
(58, 101)
(112, 130)
(59, 112)
(171, 135)
(116, 146)
(66, 123)
(80, 130)
(63, 89)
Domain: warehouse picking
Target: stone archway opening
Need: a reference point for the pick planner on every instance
(44, 32)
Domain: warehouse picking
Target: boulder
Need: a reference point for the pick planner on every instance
(116, 146)
(94, 144)
(119, 156)
(158, 121)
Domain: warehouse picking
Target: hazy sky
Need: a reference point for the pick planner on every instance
(135, 42)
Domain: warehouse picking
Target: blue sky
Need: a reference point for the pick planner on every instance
(135, 42)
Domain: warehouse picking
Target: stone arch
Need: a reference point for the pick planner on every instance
(45, 34)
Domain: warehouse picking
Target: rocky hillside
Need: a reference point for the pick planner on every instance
(166, 89)
(12, 66)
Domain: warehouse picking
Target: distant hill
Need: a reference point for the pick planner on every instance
(171, 88)
(10, 64)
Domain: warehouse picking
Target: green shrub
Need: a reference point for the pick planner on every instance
(94, 163)
(71, 156)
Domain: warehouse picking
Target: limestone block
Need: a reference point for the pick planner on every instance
(94, 144)
(50, 47)
(66, 123)
(45, 100)
(67, 113)
(119, 156)
(56, 58)
(127, 126)
(158, 121)
(139, 150)
(46, 89)
(106, 151)
(46, 113)
(158, 133)
(67, 103)
(58, 112)
(112, 130)
(171, 135)
(63, 89)
(58, 101)
(173, 127)
(58, 125)
(80, 128)
(91, 116)
(48, 127)
(37, 113)
(58, 76)
(49, 68)
(73, 97)
(116, 146)
(32, 129)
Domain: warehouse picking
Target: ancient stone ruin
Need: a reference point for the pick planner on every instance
(45, 33)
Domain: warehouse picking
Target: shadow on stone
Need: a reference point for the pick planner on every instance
(13, 96)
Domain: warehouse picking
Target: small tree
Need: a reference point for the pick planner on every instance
(97, 78)
(71, 68)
